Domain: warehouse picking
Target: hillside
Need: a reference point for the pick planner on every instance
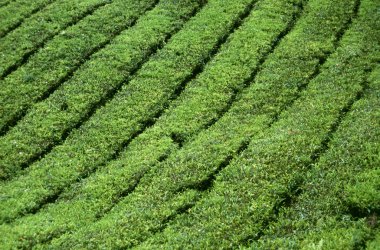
(189, 124)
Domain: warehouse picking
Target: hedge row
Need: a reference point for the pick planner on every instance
(15, 12)
(156, 198)
(248, 193)
(339, 204)
(18, 45)
(35, 134)
(200, 103)
(48, 121)
(131, 110)
(60, 57)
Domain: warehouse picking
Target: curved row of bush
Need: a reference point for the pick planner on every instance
(18, 45)
(248, 193)
(60, 57)
(14, 13)
(130, 111)
(201, 102)
(160, 195)
(96, 80)
(339, 203)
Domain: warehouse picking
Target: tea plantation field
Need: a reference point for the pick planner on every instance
(189, 124)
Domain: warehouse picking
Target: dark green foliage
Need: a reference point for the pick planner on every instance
(93, 83)
(363, 195)
(192, 124)
(146, 209)
(4, 3)
(339, 202)
(29, 37)
(60, 57)
(190, 112)
(130, 111)
(249, 192)
(374, 244)
(14, 12)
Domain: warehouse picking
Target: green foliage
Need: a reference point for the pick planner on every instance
(190, 112)
(183, 171)
(103, 74)
(333, 186)
(249, 191)
(54, 63)
(364, 193)
(130, 111)
(16, 11)
(4, 2)
(338, 207)
(374, 244)
(39, 28)
(191, 124)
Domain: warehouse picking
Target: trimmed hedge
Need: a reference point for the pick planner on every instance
(205, 124)
(59, 58)
(146, 210)
(339, 203)
(49, 121)
(18, 45)
(189, 114)
(14, 13)
(249, 191)
(130, 111)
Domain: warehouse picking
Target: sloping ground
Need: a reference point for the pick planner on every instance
(192, 124)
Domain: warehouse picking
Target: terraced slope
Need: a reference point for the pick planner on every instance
(189, 124)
